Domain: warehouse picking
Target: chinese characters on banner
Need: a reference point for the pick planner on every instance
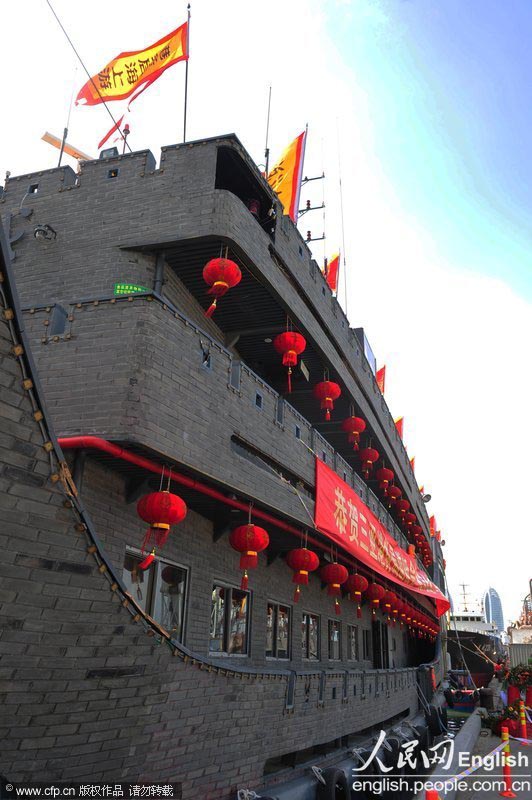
(342, 516)
(136, 70)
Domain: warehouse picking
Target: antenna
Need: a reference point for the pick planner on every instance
(266, 148)
(464, 595)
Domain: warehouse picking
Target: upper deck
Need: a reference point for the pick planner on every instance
(116, 221)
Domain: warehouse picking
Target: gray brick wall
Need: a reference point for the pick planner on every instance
(171, 716)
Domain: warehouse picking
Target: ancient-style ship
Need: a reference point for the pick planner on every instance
(188, 655)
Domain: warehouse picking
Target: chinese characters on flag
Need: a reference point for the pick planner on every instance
(285, 177)
(132, 72)
(341, 515)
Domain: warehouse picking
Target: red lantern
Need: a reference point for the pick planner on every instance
(394, 494)
(417, 530)
(402, 506)
(249, 540)
(160, 510)
(410, 519)
(388, 601)
(375, 593)
(327, 392)
(334, 575)
(221, 274)
(356, 585)
(368, 456)
(302, 561)
(384, 476)
(354, 426)
(290, 345)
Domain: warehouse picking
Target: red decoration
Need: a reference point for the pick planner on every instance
(327, 392)
(375, 593)
(354, 426)
(334, 575)
(410, 519)
(368, 456)
(394, 494)
(417, 530)
(302, 561)
(290, 345)
(402, 506)
(389, 601)
(385, 476)
(160, 510)
(221, 274)
(249, 540)
(356, 585)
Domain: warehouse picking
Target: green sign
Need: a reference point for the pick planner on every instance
(128, 288)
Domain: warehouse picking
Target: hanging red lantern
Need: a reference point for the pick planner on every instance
(327, 392)
(221, 274)
(356, 585)
(394, 494)
(368, 457)
(417, 530)
(409, 519)
(160, 510)
(390, 602)
(385, 476)
(375, 593)
(249, 540)
(290, 345)
(354, 426)
(334, 575)
(302, 561)
(402, 507)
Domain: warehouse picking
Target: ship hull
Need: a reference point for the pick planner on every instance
(475, 652)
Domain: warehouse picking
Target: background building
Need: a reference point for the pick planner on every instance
(493, 609)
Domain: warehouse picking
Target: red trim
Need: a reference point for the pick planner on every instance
(97, 443)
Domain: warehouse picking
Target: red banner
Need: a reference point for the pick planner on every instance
(380, 377)
(342, 516)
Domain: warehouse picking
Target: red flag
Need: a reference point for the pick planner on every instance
(432, 525)
(331, 272)
(399, 425)
(413, 463)
(116, 127)
(421, 490)
(381, 378)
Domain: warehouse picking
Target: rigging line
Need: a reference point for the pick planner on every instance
(458, 637)
(341, 212)
(69, 40)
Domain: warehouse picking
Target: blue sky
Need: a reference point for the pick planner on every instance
(449, 92)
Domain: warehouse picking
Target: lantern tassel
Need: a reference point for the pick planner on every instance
(337, 608)
(147, 561)
(245, 581)
(212, 308)
(296, 594)
(359, 612)
(327, 415)
(289, 380)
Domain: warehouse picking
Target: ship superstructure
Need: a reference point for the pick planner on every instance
(146, 392)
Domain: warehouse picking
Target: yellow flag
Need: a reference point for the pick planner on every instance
(135, 70)
(285, 177)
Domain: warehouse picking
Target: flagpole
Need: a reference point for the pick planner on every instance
(186, 77)
(65, 129)
(266, 148)
(341, 213)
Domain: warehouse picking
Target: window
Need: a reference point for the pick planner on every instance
(366, 646)
(335, 640)
(310, 637)
(229, 621)
(298, 432)
(159, 590)
(278, 631)
(258, 400)
(352, 643)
